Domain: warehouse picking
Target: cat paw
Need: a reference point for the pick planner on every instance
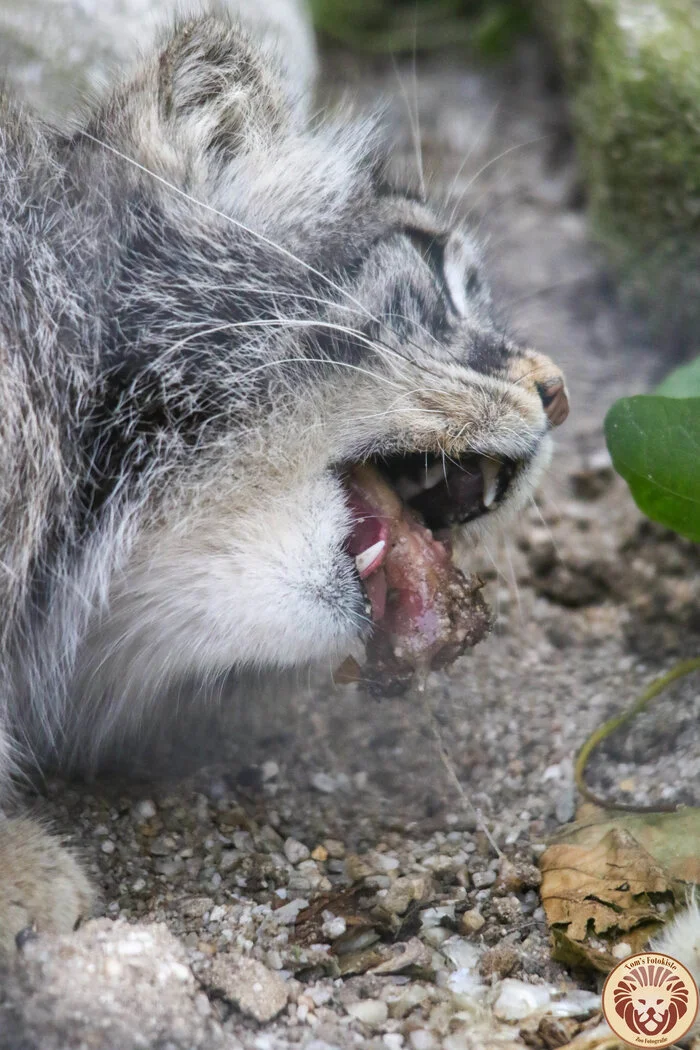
(42, 885)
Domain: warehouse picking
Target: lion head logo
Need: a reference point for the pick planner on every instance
(651, 999)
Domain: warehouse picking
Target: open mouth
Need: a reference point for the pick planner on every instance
(429, 494)
(446, 491)
(425, 611)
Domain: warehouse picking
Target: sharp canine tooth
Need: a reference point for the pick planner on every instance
(432, 476)
(407, 488)
(490, 469)
(365, 558)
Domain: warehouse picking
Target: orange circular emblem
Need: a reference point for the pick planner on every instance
(650, 1000)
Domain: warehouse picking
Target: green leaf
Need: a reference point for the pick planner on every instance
(655, 445)
(682, 382)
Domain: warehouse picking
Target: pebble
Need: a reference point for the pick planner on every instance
(466, 988)
(401, 1001)
(144, 810)
(482, 879)
(108, 846)
(463, 954)
(295, 851)
(324, 782)
(499, 961)
(472, 921)
(269, 770)
(333, 927)
(287, 914)
(516, 999)
(372, 1012)
(422, 1039)
(256, 991)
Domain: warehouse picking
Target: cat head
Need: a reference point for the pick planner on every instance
(279, 312)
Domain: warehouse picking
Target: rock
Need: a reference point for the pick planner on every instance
(517, 1000)
(372, 1012)
(403, 891)
(248, 984)
(466, 988)
(107, 985)
(400, 956)
(634, 80)
(463, 954)
(472, 921)
(404, 998)
(369, 1011)
(422, 1039)
(295, 852)
(499, 961)
(482, 879)
(514, 876)
(324, 783)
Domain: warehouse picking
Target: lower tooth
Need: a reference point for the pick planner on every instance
(490, 469)
(365, 559)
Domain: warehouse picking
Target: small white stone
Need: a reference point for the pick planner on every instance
(433, 916)
(482, 879)
(320, 994)
(334, 926)
(393, 1040)
(324, 782)
(463, 954)
(577, 1003)
(269, 770)
(466, 988)
(422, 1039)
(517, 1000)
(145, 810)
(370, 1011)
(295, 851)
(202, 1005)
(622, 950)
(287, 914)
(108, 846)
(435, 936)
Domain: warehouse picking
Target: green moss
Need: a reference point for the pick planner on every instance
(633, 68)
(488, 27)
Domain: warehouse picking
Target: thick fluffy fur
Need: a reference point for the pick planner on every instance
(208, 305)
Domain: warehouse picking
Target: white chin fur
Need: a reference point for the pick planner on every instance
(271, 587)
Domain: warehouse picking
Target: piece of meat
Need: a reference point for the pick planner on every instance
(426, 612)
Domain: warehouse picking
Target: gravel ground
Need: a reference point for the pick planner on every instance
(322, 879)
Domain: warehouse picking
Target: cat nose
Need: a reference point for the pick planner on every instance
(554, 399)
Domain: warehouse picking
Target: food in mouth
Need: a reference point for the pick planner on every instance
(425, 611)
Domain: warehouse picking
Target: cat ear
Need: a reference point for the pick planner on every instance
(209, 93)
(217, 88)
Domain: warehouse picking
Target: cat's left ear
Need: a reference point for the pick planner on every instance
(206, 95)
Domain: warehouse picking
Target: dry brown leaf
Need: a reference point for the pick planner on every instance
(608, 879)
